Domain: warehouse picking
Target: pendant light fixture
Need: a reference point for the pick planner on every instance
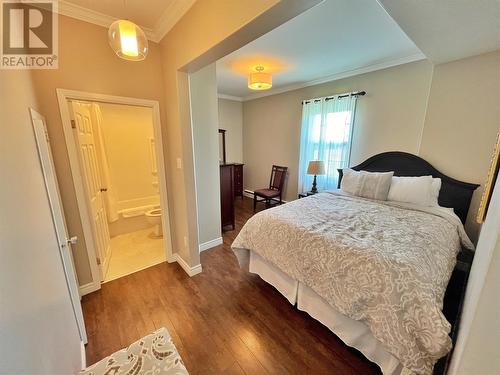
(128, 40)
(260, 80)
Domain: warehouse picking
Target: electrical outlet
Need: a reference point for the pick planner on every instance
(179, 163)
(185, 241)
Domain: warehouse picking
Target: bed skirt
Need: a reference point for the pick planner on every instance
(353, 333)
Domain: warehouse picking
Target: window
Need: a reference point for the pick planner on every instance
(326, 135)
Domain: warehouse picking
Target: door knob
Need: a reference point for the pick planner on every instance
(73, 240)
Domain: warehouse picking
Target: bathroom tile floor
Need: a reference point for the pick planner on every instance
(134, 251)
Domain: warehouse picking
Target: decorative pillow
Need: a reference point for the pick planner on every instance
(372, 185)
(423, 190)
(351, 181)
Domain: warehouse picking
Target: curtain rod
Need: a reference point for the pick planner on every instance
(357, 93)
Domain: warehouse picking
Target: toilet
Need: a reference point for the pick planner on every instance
(154, 218)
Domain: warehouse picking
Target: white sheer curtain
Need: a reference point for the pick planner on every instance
(326, 135)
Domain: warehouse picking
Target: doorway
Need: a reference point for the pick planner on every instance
(116, 156)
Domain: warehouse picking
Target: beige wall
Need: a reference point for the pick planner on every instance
(128, 132)
(204, 121)
(389, 117)
(231, 119)
(463, 118)
(38, 328)
(87, 63)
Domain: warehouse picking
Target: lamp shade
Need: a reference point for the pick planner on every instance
(316, 167)
(260, 80)
(128, 40)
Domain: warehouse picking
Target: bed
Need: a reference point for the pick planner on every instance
(374, 272)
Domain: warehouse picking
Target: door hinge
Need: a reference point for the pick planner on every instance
(98, 261)
(73, 124)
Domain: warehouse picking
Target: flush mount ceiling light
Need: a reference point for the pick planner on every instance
(260, 80)
(128, 40)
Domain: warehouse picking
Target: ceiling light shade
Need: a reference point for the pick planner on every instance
(260, 80)
(128, 40)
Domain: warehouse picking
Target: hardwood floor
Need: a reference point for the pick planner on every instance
(223, 321)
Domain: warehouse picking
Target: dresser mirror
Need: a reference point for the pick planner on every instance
(222, 146)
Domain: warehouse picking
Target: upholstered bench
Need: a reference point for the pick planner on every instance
(153, 354)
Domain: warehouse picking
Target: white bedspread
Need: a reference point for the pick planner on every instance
(381, 263)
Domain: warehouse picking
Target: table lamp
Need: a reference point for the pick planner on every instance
(316, 167)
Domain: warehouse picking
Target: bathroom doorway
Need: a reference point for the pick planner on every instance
(116, 156)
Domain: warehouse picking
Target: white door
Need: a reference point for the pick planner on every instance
(89, 166)
(42, 141)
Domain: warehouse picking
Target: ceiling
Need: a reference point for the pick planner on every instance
(156, 17)
(334, 39)
(447, 30)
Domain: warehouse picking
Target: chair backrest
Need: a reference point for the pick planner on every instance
(278, 175)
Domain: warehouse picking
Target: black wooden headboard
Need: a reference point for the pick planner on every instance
(455, 194)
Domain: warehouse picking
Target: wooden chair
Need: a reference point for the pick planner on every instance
(275, 189)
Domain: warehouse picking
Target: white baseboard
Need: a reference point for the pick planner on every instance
(191, 271)
(83, 355)
(89, 288)
(209, 244)
(249, 194)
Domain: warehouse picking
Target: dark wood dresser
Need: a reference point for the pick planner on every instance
(238, 180)
(227, 195)
(231, 186)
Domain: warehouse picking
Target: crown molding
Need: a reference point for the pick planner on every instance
(84, 14)
(334, 77)
(170, 16)
(230, 97)
(91, 16)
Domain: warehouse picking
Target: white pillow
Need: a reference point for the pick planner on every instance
(436, 188)
(423, 190)
(372, 185)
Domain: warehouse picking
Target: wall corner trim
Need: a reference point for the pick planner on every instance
(424, 120)
(209, 244)
(89, 288)
(83, 355)
(230, 97)
(191, 271)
